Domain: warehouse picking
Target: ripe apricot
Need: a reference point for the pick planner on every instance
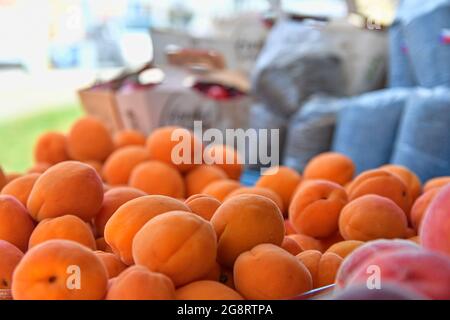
(409, 178)
(128, 137)
(39, 167)
(112, 200)
(206, 290)
(101, 245)
(323, 267)
(89, 139)
(306, 242)
(315, 208)
(20, 188)
(113, 265)
(226, 158)
(11, 257)
(123, 225)
(59, 270)
(155, 177)
(282, 180)
(2, 179)
(139, 283)
(265, 192)
(344, 248)
(68, 187)
(288, 227)
(10, 177)
(119, 165)
(269, 272)
(197, 179)
(331, 166)
(382, 183)
(178, 244)
(175, 146)
(203, 205)
(327, 242)
(16, 224)
(243, 222)
(436, 183)
(67, 227)
(291, 246)
(96, 165)
(220, 189)
(372, 217)
(51, 148)
(420, 206)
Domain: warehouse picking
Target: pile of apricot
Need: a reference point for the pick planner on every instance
(102, 216)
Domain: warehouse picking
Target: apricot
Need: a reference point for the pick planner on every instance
(197, 179)
(2, 179)
(175, 146)
(112, 200)
(291, 246)
(435, 229)
(113, 265)
(327, 242)
(101, 245)
(51, 148)
(20, 188)
(138, 283)
(436, 183)
(10, 177)
(420, 206)
(409, 178)
(288, 227)
(322, 267)
(155, 177)
(89, 139)
(372, 217)
(206, 290)
(269, 272)
(306, 242)
(214, 273)
(265, 192)
(243, 222)
(119, 165)
(39, 167)
(388, 291)
(226, 158)
(128, 137)
(96, 165)
(66, 227)
(11, 257)
(382, 183)
(315, 208)
(178, 244)
(283, 180)
(123, 225)
(220, 189)
(16, 224)
(203, 205)
(331, 166)
(59, 270)
(344, 248)
(68, 187)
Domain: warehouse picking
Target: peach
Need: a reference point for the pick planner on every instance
(330, 166)
(113, 265)
(243, 222)
(59, 270)
(21, 187)
(51, 148)
(68, 187)
(123, 225)
(178, 244)
(265, 192)
(436, 183)
(119, 165)
(112, 200)
(128, 137)
(388, 291)
(206, 290)
(89, 139)
(435, 230)
(322, 267)
(16, 224)
(420, 206)
(155, 177)
(203, 205)
(315, 208)
(220, 189)
(66, 227)
(306, 242)
(11, 257)
(291, 246)
(39, 167)
(197, 179)
(372, 217)
(382, 183)
(226, 158)
(409, 178)
(282, 180)
(344, 248)
(269, 272)
(175, 146)
(138, 283)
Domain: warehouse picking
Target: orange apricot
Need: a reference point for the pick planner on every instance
(68, 187)
(323, 267)
(113, 265)
(327, 242)
(10, 177)
(20, 188)
(178, 244)
(409, 178)
(59, 270)
(203, 205)
(51, 148)
(288, 227)
(291, 246)
(331, 166)
(129, 218)
(344, 248)
(421, 205)
(119, 165)
(128, 137)
(220, 189)
(226, 158)
(436, 183)
(101, 245)
(96, 165)
(206, 290)
(197, 179)
(11, 257)
(3, 180)
(306, 242)
(265, 192)
(39, 167)
(243, 222)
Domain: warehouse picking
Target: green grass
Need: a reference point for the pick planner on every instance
(18, 136)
